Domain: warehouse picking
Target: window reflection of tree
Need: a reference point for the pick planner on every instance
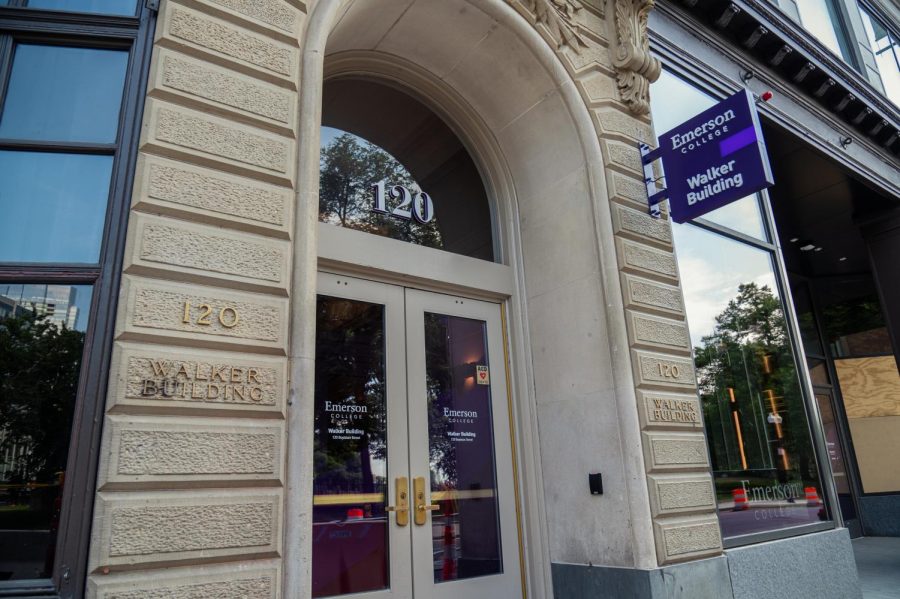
(40, 362)
(746, 367)
(350, 371)
(440, 385)
(349, 166)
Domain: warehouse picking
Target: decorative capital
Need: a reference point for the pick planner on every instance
(558, 16)
(635, 67)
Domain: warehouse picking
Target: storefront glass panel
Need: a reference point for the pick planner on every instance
(763, 462)
(42, 330)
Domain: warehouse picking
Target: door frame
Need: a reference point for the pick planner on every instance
(330, 270)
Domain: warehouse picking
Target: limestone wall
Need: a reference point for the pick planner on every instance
(190, 485)
(603, 45)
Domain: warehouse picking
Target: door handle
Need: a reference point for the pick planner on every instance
(422, 508)
(402, 497)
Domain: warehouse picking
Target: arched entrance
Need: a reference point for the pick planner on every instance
(496, 86)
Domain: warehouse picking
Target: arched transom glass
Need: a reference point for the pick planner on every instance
(391, 167)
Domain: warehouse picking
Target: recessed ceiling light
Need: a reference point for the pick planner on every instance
(818, 249)
(795, 239)
(808, 247)
(842, 259)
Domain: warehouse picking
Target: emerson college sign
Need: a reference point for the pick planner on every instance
(713, 159)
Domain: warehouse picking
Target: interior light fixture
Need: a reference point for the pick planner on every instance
(795, 239)
(807, 247)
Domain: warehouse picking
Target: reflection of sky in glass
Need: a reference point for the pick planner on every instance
(64, 94)
(884, 45)
(815, 15)
(52, 206)
(113, 7)
(329, 134)
(712, 267)
(674, 101)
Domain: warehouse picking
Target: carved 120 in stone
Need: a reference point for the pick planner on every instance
(228, 316)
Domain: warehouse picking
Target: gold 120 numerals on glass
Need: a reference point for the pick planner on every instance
(228, 315)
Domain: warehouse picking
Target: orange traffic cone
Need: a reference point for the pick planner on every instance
(448, 572)
(740, 500)
(812, 497)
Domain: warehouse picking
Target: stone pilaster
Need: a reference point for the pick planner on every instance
(190, 485)
(603, 45)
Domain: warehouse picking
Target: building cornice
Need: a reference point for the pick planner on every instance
(772, 38)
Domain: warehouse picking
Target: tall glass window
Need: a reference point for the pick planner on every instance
(884, 44)
(764, 466)
(66, 113)
(821, 19)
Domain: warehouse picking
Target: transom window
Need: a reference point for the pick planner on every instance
(391, 167)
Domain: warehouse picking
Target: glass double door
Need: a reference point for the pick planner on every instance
(413, 491)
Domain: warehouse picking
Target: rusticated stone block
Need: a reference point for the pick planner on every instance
(594, 57)
(200, 194)
(659, 370)
(623, 156)
(172, 526)
(202, 316)
(227, 43)
(616, 124)
(651, 296)
(598, 87)
(201, 254)
(640, 226)
(666, 451)
(278, 14)
(160, 379)
(669, 410)
(188, 134)
(257, 579)
(627, 190)
(635, 257)
(205, 86)
(681, 493)
(152, 450)
(679, 539)
(653, 332)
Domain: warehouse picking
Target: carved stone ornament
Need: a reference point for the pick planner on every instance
(635, 67)
(559, 18)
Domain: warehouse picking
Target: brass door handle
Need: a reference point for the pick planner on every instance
(402, 497)
(422, 508)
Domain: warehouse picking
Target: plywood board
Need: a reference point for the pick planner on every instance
(870, 386)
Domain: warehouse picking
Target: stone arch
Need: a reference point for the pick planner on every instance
(493, 76)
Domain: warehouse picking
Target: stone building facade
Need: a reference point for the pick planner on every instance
(201, 479)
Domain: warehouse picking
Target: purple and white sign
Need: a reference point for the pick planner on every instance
(713, 159)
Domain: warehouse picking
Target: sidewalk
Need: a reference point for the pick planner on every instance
(878, 562)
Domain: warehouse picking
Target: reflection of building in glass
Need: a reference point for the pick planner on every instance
(56, 302)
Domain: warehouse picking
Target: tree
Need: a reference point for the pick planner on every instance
(746, 366)
(39, 368)
(348, 168)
